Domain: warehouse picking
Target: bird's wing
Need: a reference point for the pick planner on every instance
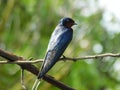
(56, 48)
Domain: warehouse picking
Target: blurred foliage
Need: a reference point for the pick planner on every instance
(25, 29)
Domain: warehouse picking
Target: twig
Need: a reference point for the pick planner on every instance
(92, 56)
(21, 61)
(22, 79)
(63, 58)
(31, 68)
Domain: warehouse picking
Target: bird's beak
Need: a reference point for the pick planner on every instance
(75, 24)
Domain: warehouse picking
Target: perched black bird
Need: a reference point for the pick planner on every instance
(59, 41)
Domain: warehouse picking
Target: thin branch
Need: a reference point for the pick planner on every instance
(31, 68)
(92, 56)
(26, 64)
(22, 80)
(21, 61)
(64, 58)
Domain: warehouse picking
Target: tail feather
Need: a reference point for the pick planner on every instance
(36, 84)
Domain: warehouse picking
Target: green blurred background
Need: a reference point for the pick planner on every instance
(25, 29)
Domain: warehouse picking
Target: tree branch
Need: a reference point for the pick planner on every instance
(64, 58)
(27, 65)
(31, 68)
(92, 57)
(22, 62)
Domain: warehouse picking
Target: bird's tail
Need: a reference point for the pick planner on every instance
(36, 84)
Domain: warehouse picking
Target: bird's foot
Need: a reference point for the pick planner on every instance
(63, 58)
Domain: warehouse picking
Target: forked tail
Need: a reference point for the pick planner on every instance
(36, 84)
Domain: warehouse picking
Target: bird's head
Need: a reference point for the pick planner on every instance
(68, 22)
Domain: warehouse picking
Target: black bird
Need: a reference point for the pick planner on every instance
(59, 41)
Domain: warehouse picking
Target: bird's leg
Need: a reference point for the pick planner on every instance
(63, 56)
